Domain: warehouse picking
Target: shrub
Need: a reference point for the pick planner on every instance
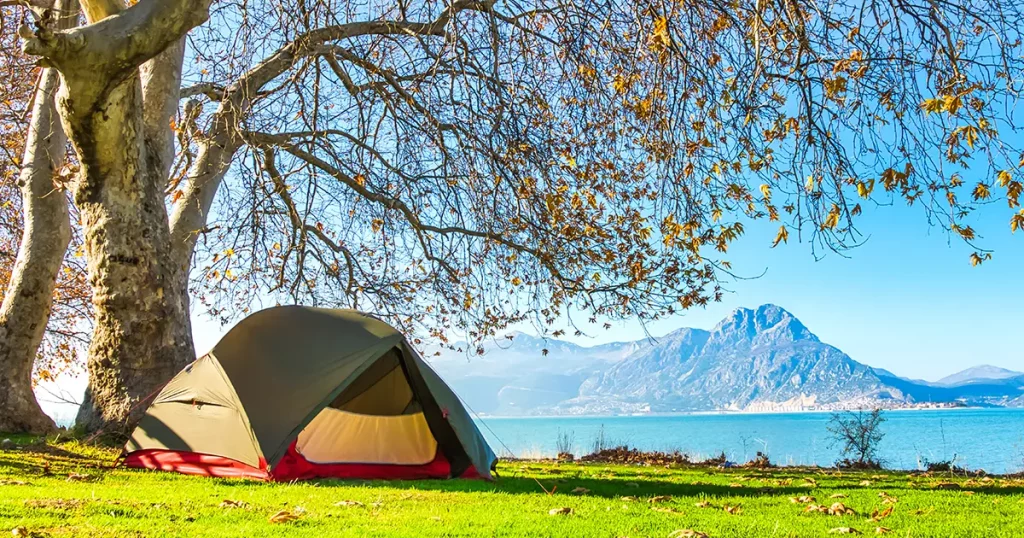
(565, 444)
(858, 434)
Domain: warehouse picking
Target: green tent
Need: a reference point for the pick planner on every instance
(294, 393)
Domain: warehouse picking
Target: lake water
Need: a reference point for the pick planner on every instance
(989, 439)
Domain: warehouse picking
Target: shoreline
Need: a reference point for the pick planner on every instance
(744, 413)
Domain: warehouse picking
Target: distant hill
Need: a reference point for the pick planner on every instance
(981, 373)
(763, 359)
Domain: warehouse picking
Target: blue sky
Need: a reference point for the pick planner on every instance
(907, 300)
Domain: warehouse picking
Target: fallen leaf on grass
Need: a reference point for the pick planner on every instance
(837, 496)
(816, 508)
(77, 477)
(735, 485)
(844, 530)
(629, 498)
(840, 509)
(703, 504)
(865, 482)
(660, 499)
(886, 498)
(878, 516)
(947, 485)
(20, 532)
(968, 493)
(13, 483)
(802, 499)
(283, 516)
(882, 530)
(687, 533)
(810, 481)
(922, 511)
(733, 510)
(228, 503)
(666, 510)
(348, 503)
(581, 491)
(564, 511)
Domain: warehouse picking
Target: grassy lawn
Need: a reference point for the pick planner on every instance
(70, 490)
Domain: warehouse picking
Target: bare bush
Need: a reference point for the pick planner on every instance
(859, 434)
(565, 444)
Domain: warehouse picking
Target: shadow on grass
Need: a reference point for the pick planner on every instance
(611, 488)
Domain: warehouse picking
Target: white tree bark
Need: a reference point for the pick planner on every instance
(29, 297)
(142, 335)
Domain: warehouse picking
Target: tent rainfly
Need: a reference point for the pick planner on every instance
(294, 393)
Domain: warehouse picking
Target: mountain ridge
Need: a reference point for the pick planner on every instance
(762, 359)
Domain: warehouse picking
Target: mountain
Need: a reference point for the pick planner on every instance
(762, 359)
(978, 374)
(754, 359)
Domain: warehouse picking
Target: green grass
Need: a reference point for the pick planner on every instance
(37, 494)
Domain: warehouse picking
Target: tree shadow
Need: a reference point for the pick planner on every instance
(611, 488)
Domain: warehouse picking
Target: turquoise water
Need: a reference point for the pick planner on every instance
(989, 439)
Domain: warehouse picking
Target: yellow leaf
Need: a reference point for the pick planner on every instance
(933, 105)
(810, 184)
(981, 192)
(781, 237)
(1017, 222)
(1004, 178)
(766, 191)
(864, 188)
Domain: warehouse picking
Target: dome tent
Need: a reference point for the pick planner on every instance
(295, 393)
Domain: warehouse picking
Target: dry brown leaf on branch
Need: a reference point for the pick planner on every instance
(564, 511)
(687, 533)
(283, 516)
(843, 530)
(348, 503)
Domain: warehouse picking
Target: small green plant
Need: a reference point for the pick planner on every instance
(859, 435)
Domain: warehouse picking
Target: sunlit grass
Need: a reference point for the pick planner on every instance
(70, 490)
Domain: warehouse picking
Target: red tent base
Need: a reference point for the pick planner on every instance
(193, 463)
(293, 466)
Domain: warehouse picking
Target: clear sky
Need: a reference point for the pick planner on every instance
(908, 300)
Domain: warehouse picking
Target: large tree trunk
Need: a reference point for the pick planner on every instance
(29, 296)
(141, 336)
